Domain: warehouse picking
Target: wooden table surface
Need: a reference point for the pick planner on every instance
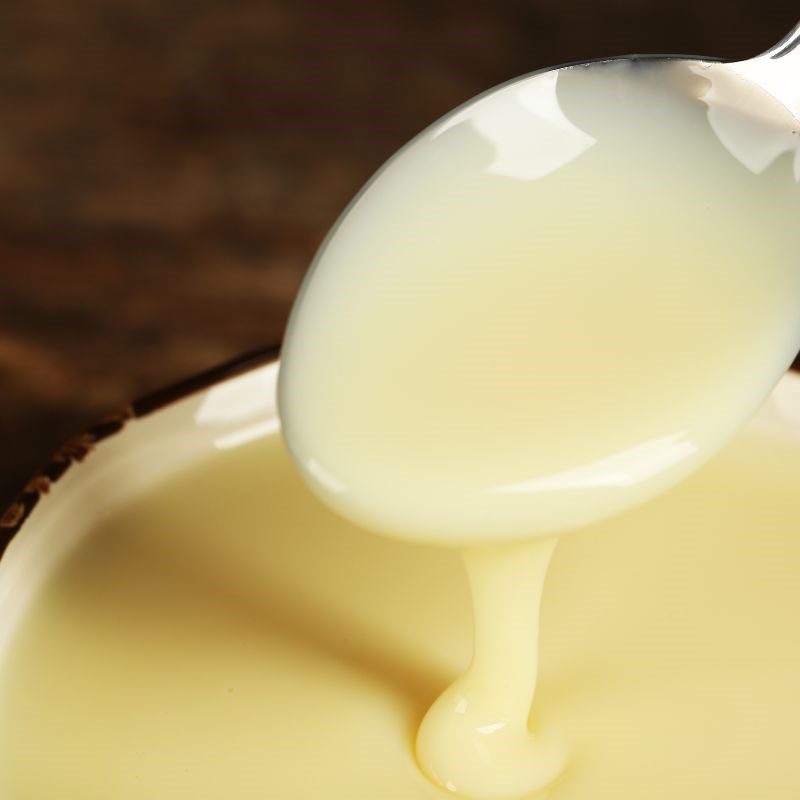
(168, 169)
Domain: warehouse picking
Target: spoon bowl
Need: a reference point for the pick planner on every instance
(555, 302)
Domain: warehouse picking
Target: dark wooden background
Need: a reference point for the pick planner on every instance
(167, 169)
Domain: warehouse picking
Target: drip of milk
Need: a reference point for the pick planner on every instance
(476, 738)
(550, 307)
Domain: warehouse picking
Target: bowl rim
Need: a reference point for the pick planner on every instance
(78, 447)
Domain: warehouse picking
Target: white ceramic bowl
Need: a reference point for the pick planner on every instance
(164, 435)
(122, 454)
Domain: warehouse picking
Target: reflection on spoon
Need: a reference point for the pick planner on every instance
(768, 130)
(621, 470)
(525, 125)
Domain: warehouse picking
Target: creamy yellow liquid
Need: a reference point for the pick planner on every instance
(551, 306)
(228, 637)
(476, 739)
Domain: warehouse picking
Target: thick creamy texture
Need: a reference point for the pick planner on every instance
(227, 636)
(476, 739)
(551, 305)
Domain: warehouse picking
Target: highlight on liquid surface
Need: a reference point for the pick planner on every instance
(226, 636)
(550, 306)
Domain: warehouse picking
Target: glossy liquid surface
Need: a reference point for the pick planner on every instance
(227, 636)
(477, 738)
(550, 306)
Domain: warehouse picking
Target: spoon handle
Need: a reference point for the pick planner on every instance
(778, 71)
(787, 48)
